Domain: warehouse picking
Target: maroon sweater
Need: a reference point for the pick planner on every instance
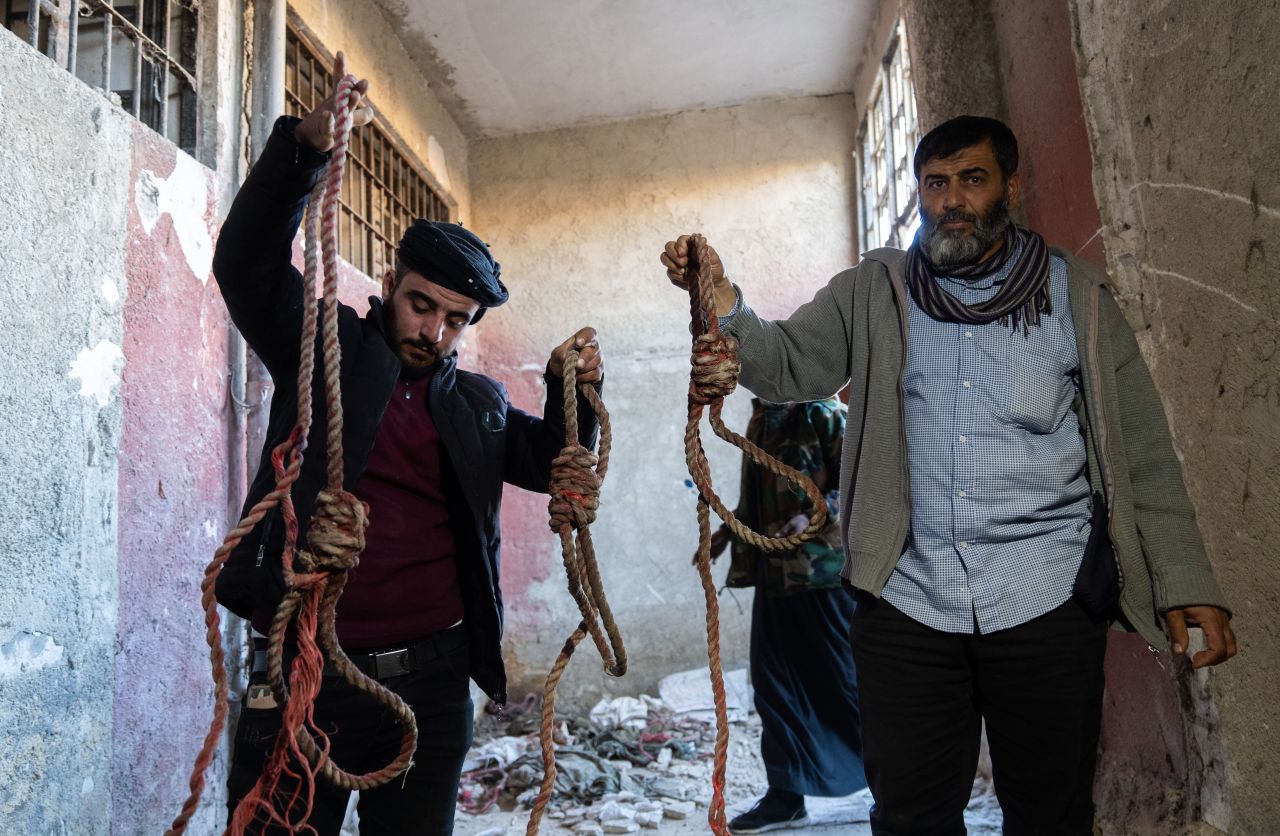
(406, 585)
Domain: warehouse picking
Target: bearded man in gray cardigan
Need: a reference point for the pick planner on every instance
(1008, 488)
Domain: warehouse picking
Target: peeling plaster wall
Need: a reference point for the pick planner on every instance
(1180, 102)
(173, 486)
(578, 217)
(105, 692)
(397, 87)
(60, 424)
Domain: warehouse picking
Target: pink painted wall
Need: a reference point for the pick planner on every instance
(1042, 94)
(173, 496)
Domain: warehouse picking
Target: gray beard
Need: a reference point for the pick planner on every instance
(947, 250)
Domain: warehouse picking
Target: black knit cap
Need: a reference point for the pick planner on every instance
(453, 257)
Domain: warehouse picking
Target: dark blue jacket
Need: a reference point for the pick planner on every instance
(486, 440)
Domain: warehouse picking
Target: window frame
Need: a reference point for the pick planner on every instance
(888, 202)
(385, 186)
(53, 27)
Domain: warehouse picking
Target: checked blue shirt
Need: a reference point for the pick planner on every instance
(1000, 503)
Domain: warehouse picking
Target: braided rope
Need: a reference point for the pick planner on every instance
(714, 375)
(576, 476)
(335, 540)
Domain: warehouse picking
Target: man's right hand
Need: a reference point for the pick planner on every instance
(675, 257)
(316, 131)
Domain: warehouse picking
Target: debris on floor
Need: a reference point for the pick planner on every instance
(631, 763)
(640, 765)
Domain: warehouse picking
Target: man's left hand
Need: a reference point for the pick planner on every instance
(590, 362)
(1219, 640)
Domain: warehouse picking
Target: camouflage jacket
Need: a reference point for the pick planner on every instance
(808, 437)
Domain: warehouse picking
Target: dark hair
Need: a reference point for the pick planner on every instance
(965, 132)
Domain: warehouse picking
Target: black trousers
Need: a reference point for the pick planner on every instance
(364, 736)
(924, 694)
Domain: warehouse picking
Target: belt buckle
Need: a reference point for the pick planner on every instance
(391, 663)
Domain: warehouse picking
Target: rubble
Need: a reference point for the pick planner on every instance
(633, 762)
(623, 771)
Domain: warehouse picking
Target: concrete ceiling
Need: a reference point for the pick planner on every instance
(505, 67)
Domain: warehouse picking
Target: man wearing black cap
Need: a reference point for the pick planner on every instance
(427, 446)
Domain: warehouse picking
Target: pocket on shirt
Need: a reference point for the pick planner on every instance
(1038, 391)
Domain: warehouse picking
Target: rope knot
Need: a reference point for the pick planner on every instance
(715, 368)
(575, 488)
(336, 535)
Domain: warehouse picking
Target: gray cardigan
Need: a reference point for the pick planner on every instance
(855, 330)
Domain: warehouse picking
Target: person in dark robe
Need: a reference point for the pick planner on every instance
(801, 656)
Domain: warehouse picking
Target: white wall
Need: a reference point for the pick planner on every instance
(577, 218)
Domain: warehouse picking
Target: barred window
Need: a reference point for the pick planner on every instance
(384, 189)
(144, 51)
(888, 205)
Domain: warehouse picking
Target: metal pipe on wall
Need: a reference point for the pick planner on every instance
(262, 92)
(265, 64)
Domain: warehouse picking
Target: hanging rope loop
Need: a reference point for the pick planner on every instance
(576, 477)
(335, 538)
(714, 370)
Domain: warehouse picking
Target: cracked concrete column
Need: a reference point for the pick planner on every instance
(1180, 105)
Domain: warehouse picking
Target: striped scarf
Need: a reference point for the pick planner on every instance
(1022, 297)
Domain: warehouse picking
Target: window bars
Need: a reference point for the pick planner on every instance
(888, 204)
(143, 51)
(383, 189)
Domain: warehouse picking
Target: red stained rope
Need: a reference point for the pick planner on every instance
(314, 576)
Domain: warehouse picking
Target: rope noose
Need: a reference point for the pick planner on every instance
(335, 539)
(576, 476)
(713, 376)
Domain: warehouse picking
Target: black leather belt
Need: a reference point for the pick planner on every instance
(381, 663)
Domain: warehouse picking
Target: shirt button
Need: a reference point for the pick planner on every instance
(963, 439)
(968, 385)
(962, 493)
(963, 544)
(968, 333)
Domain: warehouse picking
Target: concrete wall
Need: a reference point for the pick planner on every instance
(60, 426)
(1037, 72)
(1185, 140)
(955, 59)
(397, 87)
(578, 217)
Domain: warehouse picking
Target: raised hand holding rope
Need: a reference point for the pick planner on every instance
(335, 539)
(713, 376)
(576, 476)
